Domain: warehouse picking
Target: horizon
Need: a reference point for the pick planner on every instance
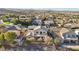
(52, 9)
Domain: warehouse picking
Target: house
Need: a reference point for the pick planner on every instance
(76, 30)
(70, 38)
(9, 19)
(71, 25)
(48, 23)
(32, 27)
(22, 17)
(39, 31)
(14, 28)
(58, 31)
(68, 25)
(37, 22)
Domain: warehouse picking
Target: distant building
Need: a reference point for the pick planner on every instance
(22, 17)
(71, 25)
(37, 22)
(48, 23)
(68, 25)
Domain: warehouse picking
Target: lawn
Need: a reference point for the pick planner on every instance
(8, 23)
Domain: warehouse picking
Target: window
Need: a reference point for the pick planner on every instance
(66, 41)
(22, 16)
(43, 32)
(42, 37)
(73, 41)
(40, 32)
(68, 36)
(37, 32)
(73, 36)
(34, 34)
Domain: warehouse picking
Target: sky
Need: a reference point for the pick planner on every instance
(65, 4)
(56, 9)
(66, 9)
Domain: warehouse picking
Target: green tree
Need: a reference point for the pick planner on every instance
(9, 36)
(2, 28)
(2, 41)
(2, 38)
(4, 17)
(56, 41)
(14, 20)
(28, 42)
